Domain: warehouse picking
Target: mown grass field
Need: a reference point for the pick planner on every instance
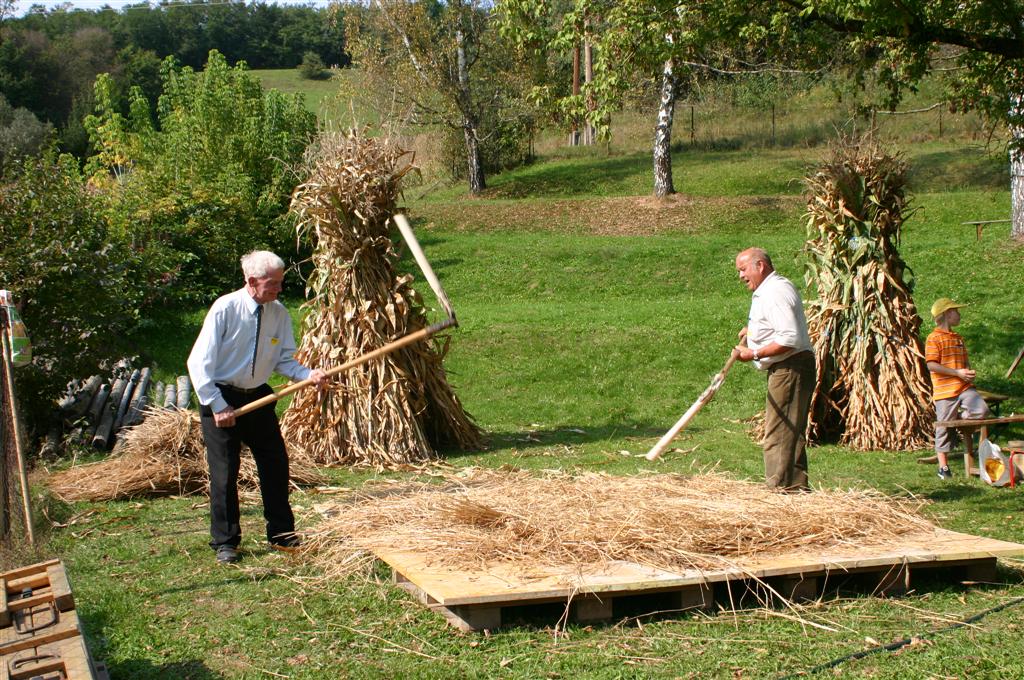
(591, 317)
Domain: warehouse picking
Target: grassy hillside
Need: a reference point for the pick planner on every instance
(591, 317)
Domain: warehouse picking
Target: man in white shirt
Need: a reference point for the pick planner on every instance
(777, 341)
(246, 336)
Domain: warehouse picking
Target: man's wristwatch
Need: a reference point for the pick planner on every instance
(756, 357)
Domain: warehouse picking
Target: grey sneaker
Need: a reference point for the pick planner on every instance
(227, 554)
(944, 473)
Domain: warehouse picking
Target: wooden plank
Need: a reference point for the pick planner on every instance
(48, 581)
(588, 609)
(975, 423)
(472, 619)
(60, 587)
(66, 626)
(69, 656)
(516, 584)
(21, 572)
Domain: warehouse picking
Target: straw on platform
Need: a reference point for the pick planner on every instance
(162, 455)
(668, 522)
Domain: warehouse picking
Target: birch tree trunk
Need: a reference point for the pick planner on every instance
(470, 123)
(1016, 169)
(589, 133)
(663, 185)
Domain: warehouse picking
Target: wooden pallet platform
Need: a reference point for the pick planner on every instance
(478, 599)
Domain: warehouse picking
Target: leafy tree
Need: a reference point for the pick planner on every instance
(21, 134)
(444, 63)
(209, 180)
(73, 278)
(977, 45)
(662, 40)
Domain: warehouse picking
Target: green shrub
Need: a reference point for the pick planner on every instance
(21, 134)
(206, 183)
(313, 67)
(75, 283)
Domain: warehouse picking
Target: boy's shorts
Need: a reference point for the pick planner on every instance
(967, 404)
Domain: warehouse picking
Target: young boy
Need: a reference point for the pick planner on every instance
(952, 379)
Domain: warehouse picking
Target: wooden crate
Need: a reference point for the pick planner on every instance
(40, 634)
(67, 658)
(480, 599)
(44, 582)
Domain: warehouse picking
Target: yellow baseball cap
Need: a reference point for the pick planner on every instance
(942, 305)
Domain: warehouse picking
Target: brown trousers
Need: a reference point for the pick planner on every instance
(790, 385)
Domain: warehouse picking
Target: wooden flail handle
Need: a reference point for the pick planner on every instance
(703, 399)
(401, 342)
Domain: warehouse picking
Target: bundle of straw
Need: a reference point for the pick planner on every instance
(396, 409)
(667, 521)
(162, 455)
(873, 385)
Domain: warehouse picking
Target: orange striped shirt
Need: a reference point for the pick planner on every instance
(946, 348)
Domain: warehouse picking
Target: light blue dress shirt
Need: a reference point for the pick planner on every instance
(223, 350)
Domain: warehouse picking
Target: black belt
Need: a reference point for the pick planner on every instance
(239, 390)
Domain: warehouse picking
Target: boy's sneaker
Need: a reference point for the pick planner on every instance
(944, 472)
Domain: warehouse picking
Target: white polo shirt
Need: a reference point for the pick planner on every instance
(777, 315)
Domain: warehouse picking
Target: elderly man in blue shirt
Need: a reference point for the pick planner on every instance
(246, 336)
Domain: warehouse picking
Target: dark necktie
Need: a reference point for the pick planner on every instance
(256, 345)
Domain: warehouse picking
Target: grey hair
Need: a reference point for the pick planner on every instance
(759, 255)
(260, 263)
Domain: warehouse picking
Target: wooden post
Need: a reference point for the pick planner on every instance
(5, 525)
(18, 441)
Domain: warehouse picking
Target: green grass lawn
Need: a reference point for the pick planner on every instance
(590, 319)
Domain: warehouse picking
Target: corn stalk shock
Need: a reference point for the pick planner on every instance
(424, 333)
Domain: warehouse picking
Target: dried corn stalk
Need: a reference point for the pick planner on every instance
(873, 385)
(394, 410)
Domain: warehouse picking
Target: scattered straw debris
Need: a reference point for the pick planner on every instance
(162, 455)
(669, 522)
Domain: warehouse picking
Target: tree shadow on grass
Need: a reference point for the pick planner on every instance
(587, 177)
(958, 169)
(141, 669)
(564, 435)
(94, 623)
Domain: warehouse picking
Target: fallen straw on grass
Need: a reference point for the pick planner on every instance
(668, 522)
(162, 455)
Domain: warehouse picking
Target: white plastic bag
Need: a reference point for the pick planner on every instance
(993, 466)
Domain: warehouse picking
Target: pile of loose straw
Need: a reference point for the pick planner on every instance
(873, 387)
(669, 522)
(395, 410)
(162, 455)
